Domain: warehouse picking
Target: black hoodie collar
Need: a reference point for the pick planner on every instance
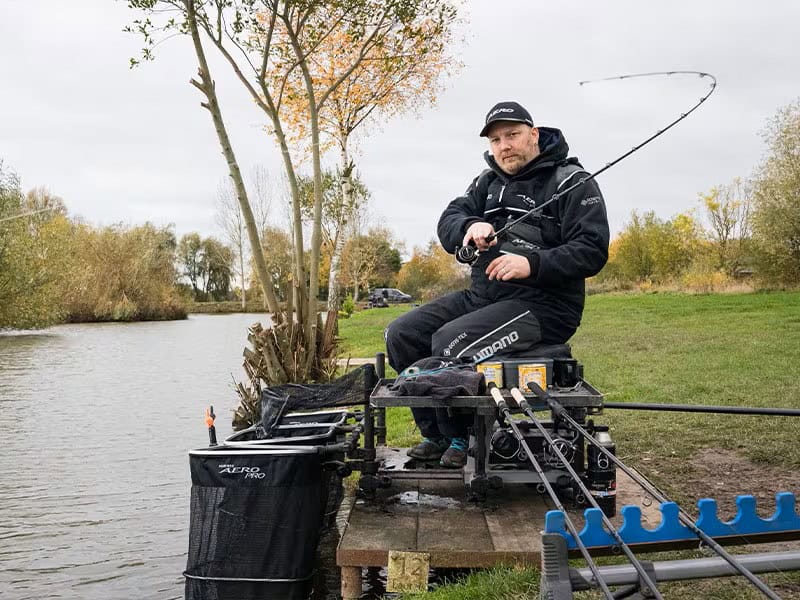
(553, 149)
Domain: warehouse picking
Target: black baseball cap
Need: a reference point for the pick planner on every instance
(507, 111)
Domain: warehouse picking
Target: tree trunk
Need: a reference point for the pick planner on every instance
(336, 256)
(241, 264)
(206, 85)
(312, 315)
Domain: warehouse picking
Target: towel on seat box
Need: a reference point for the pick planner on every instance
(440, 378)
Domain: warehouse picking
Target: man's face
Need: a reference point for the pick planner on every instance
(513, 145)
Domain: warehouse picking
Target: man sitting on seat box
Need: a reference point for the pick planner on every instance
(528, 287)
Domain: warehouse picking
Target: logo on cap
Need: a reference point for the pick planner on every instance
(499, 110)
(507, 111)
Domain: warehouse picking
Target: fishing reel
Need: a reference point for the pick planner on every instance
(567, 448)
(467, 255)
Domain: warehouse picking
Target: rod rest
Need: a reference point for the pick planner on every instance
(746, 522)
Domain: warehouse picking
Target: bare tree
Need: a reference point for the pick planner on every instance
(269, 45)
(267, 191)
(229, 218)
(728, 208)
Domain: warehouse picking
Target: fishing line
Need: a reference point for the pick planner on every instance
(468, 254)
(27, 214)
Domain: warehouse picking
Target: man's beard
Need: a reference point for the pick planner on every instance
(512, 164)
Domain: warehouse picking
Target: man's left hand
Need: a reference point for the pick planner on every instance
(509, 266)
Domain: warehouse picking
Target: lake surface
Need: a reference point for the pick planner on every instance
(96, 421)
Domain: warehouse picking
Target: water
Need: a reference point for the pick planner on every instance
(96, 421)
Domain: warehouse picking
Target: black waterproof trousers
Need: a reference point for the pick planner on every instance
(459, 325)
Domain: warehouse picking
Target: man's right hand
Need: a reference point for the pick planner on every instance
(478, 232)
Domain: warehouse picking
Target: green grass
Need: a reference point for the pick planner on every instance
(513, 583)
(737, 349)
(722, 349)
(726, 349)
(362, 334)
(491, 584)
(362, 337)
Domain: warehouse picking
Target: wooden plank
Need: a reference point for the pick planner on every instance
(452, 529)
(375, 528)
(434, 516)
(516, 522)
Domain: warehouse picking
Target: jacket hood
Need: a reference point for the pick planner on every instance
(553, 148)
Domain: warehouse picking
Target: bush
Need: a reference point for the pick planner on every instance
(348, 306)
(123, 274)
(650, 249)
(432, 272)
(701, 278)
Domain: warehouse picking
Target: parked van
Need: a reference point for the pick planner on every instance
(380, 297)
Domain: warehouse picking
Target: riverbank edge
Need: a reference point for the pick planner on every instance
(235, 306)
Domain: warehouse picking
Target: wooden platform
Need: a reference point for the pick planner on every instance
(433, 516)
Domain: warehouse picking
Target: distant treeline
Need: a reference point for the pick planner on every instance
(56, 269)
(747, 230)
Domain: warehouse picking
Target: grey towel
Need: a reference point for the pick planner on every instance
(440, 378)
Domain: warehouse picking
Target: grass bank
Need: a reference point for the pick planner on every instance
(226, 307)
(362, 337)
(725, 349)
(235, 306)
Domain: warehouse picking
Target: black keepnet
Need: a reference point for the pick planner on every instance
(259, 506)
(256, 518)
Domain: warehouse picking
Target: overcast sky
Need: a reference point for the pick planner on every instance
(123, 145)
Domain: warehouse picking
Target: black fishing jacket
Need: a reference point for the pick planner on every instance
(564, 246)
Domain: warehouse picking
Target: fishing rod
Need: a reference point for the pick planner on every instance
(502, 406)
(702, 408)
(468, 254)
(635, 562)
(560, 412)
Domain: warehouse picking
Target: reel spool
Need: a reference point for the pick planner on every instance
(466, 255)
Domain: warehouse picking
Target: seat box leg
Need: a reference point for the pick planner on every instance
(351, 583)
